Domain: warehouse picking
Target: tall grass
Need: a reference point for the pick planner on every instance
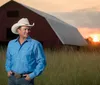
(64, 68)
(3, 75)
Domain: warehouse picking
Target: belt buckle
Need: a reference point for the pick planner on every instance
(17, 75)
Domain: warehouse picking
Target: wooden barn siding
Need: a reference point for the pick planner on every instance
(41, 31)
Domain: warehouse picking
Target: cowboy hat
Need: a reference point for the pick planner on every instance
(21, 22)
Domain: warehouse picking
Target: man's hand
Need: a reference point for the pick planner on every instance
(9, 73)
(27, 77)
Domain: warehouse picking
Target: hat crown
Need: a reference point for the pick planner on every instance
(23, 21)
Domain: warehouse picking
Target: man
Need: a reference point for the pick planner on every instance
(25, 58)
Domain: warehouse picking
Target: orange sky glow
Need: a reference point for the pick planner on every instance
(95, 37)
(86, 32)
(58, 5)
(94, 33)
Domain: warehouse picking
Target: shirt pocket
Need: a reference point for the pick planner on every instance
(13, 52)
(27, 54)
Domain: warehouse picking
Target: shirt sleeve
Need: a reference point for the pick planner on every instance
(40, 60)
(8, 60)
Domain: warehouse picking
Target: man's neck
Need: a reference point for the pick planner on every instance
(21, 40)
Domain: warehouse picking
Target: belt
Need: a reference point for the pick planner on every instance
(17, 75)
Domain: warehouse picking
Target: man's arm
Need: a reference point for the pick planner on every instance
(40, 60)
(8, 60)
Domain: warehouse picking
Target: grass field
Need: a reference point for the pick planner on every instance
(64, 68)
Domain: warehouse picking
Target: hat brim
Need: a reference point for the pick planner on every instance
(16, 26)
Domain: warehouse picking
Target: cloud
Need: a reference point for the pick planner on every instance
(57, 5)
(88, 18)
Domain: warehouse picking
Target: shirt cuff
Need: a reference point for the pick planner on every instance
(32, 75)
(8, 70)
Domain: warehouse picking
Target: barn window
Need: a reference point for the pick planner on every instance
(14, 13)
(10, 35)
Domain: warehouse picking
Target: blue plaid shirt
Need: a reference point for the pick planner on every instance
(26, 57)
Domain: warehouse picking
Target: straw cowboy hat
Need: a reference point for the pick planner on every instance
(21, 22)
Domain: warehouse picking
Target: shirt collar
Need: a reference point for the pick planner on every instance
(27, 39)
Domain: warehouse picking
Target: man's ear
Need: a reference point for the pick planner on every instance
(18, 30)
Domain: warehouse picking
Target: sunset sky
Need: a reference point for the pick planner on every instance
(83, 14)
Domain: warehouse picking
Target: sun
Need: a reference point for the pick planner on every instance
(95, 37)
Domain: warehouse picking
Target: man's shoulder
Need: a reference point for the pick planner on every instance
(35, 41)
(12, 41)
(36, 44)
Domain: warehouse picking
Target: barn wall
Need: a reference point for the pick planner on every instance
(41, 31)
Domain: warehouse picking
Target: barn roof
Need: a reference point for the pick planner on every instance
(65, 32)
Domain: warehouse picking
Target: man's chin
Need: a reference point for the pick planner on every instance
(26, 36)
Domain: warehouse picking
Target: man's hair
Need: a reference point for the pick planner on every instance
(19, 27)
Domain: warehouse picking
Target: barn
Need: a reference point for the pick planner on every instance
(49, 30)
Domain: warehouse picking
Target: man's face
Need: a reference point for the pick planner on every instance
(23, 31)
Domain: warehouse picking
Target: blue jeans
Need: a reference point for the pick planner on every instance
(20, 81)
